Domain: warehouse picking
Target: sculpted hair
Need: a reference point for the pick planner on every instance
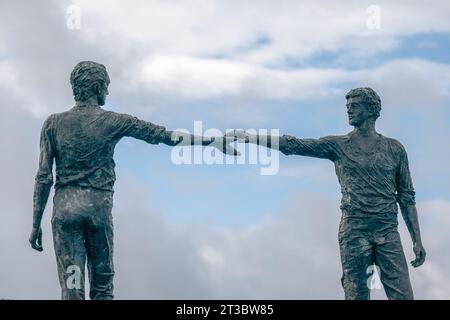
(86, 77)
(368, 97)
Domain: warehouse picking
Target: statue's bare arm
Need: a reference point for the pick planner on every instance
(409, 213)
(131, 126)
(406, 201)
(43, 183)
(40, 198)
(174, 138)
(288, 145)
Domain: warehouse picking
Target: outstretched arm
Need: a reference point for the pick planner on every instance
(129, 126)
(318, 148)
(175, 138)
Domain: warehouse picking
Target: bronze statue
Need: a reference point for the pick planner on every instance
(81, 141)
(374, 176)
(372, 170)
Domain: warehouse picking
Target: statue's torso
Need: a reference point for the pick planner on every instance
(368, 176)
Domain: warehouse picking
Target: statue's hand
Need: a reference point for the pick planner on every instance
(240, 135)
(180, 139)
(420, 253)
(36, 239)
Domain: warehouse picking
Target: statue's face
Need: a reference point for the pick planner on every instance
(357, 111)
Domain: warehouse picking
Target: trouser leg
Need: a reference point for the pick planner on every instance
(356, 258)
(68, 239)
(82, 226)
(394, 273)
(99, 235)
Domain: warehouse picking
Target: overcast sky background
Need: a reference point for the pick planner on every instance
(212, 232)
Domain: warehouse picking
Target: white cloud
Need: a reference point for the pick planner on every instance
(195, 78)
(7, 73)
(202, 49)
(403, 82)
(432, 280)
(286, 28)
(291, 254)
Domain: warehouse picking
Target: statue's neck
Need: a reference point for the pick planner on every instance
(88, 102)
(366, 129)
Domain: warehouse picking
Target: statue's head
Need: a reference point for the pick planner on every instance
(362, 104)
(89, 80)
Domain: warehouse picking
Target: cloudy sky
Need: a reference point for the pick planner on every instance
(225, 231)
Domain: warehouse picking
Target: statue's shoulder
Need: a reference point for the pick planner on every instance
(52, 119)
(115, 115)
(109, 112)
(335, 138)
(395, 145)
(62, 114)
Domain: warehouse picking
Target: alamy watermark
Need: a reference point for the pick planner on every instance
(249, 153)
(74, 279)
(373, 281)
(73, 21)
(373, 21)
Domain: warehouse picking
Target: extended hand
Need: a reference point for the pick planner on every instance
(221, 143)
(36, 239)
(241, 135)
(420, 253)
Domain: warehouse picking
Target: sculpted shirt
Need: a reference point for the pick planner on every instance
(372, 182)
(82, 141)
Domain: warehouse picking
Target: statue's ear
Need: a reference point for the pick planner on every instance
(373, 113)
(97, 89)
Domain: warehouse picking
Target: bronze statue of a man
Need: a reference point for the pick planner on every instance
(81, 140)
(374, 176)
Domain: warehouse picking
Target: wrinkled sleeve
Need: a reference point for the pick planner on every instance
(46, 156)
(318, 148)
(128, 126)
(405, 188)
